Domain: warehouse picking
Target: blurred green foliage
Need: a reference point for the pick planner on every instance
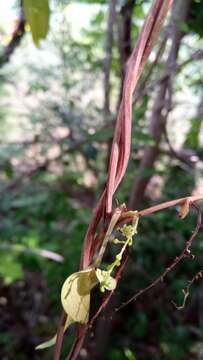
(53, 160)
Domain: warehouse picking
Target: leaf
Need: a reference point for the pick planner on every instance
(75, 298)
(47, 344)
(10, 268)
(52, 341)
(107, 282)
(37, 13)
(184, 210)
(75, 294)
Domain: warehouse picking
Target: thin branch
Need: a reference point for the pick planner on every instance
(196, 56)
(52, 255)
(185, 253)
(15, 39)
(59, 336)
(186, 291)
(108, 295)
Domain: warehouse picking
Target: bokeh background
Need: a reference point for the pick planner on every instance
(58, 103)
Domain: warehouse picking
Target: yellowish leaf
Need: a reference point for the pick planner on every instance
(75, 294)
(37, 13)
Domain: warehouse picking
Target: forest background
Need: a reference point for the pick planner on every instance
(58, 103)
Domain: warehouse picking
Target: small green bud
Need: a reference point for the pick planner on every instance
(128, 231)
(119, 257)
(116, 241)
(107, 282)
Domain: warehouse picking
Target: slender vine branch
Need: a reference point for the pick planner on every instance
(186, 291)
(185, 253)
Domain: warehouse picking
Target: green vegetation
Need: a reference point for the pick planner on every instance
(56, 132)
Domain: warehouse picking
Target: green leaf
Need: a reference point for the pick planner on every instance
(75, 294)
(52, 341)
(129, 354)
(37, 13)
(139, 12)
